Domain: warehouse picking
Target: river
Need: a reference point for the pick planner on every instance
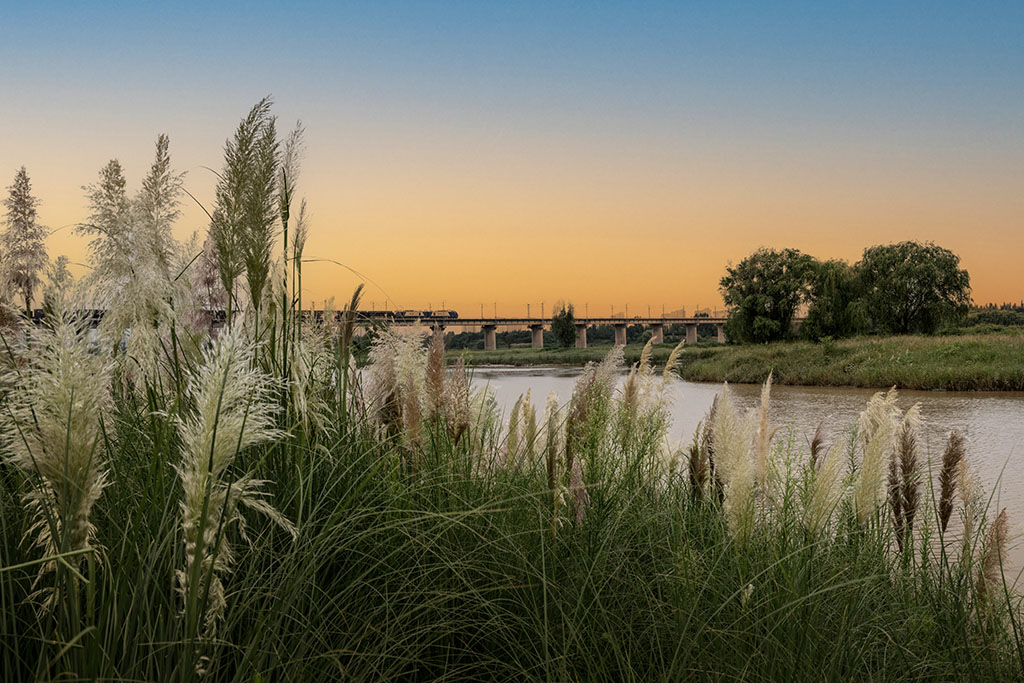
(993, 423)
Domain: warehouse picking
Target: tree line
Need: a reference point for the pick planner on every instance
(903, 288)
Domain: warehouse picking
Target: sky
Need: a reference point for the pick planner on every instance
(502, 154)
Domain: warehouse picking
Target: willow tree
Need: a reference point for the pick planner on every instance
(22, 243)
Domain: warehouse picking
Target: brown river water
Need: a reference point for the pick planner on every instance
(993, 423)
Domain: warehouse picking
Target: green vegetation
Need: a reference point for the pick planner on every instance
(763, 292)
(903, 288)
(243, 505)
(560, 356)
(563, 325)
(964, 362)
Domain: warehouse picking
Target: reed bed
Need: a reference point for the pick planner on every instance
(244, 504)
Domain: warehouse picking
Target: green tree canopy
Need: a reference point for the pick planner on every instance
(763, 292)
(563, 325)
(837, 308)
(913, 287)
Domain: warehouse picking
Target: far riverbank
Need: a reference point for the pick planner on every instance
(982, 362)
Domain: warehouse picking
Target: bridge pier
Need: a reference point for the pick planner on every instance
(581, 336)
(537, 336)
(721, 333)
(658, 333)
(691, 333)
(490, 338)
(620, 334)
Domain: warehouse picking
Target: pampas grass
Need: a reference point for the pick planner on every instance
(826, 491)
(878, 427)
(231, 413)
(52, 431)
(733, 439)
(990, 571)
(951, 459)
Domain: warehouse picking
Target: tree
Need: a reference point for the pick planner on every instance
(22, 244)
(910, 287)
(837, 308)
(563, 325)
(763, 292)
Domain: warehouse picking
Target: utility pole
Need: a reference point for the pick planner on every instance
(527, 310)
(542, 310)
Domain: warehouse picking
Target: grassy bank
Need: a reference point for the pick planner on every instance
(965, 362)
(986, 362)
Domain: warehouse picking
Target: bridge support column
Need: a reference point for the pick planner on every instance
(691, 333)
(658, 333)
(721, 332)
(581, 336)
(490, 338)
(620, 334)
(537, 336)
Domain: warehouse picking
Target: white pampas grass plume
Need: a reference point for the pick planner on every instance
(733, 437)
(826, 491)
(434, 376)
(991, 570)
(972, 494)
(672, 364)
(878, 429)
(456, 404)
(51, 430)
(764, 433)
(232, 410)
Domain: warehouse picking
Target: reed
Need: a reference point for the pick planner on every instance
(951, 459)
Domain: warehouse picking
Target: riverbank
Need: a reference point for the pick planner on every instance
(982, 362)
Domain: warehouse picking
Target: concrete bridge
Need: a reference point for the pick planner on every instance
(490, 325)
(537, 325)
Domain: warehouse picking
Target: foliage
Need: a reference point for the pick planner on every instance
(837, 310)
(763, 292)
(913, 287)
(22, 250)
(563, 325)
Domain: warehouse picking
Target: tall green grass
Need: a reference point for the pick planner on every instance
(969, 362)
(461, 567)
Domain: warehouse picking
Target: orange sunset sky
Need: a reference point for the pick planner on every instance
(606, 154)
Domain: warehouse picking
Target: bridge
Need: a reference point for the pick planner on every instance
(537, 325)
(490, 325)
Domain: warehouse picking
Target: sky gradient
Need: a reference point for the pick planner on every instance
(511, 153)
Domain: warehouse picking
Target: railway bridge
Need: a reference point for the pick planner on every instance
(537, 325)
